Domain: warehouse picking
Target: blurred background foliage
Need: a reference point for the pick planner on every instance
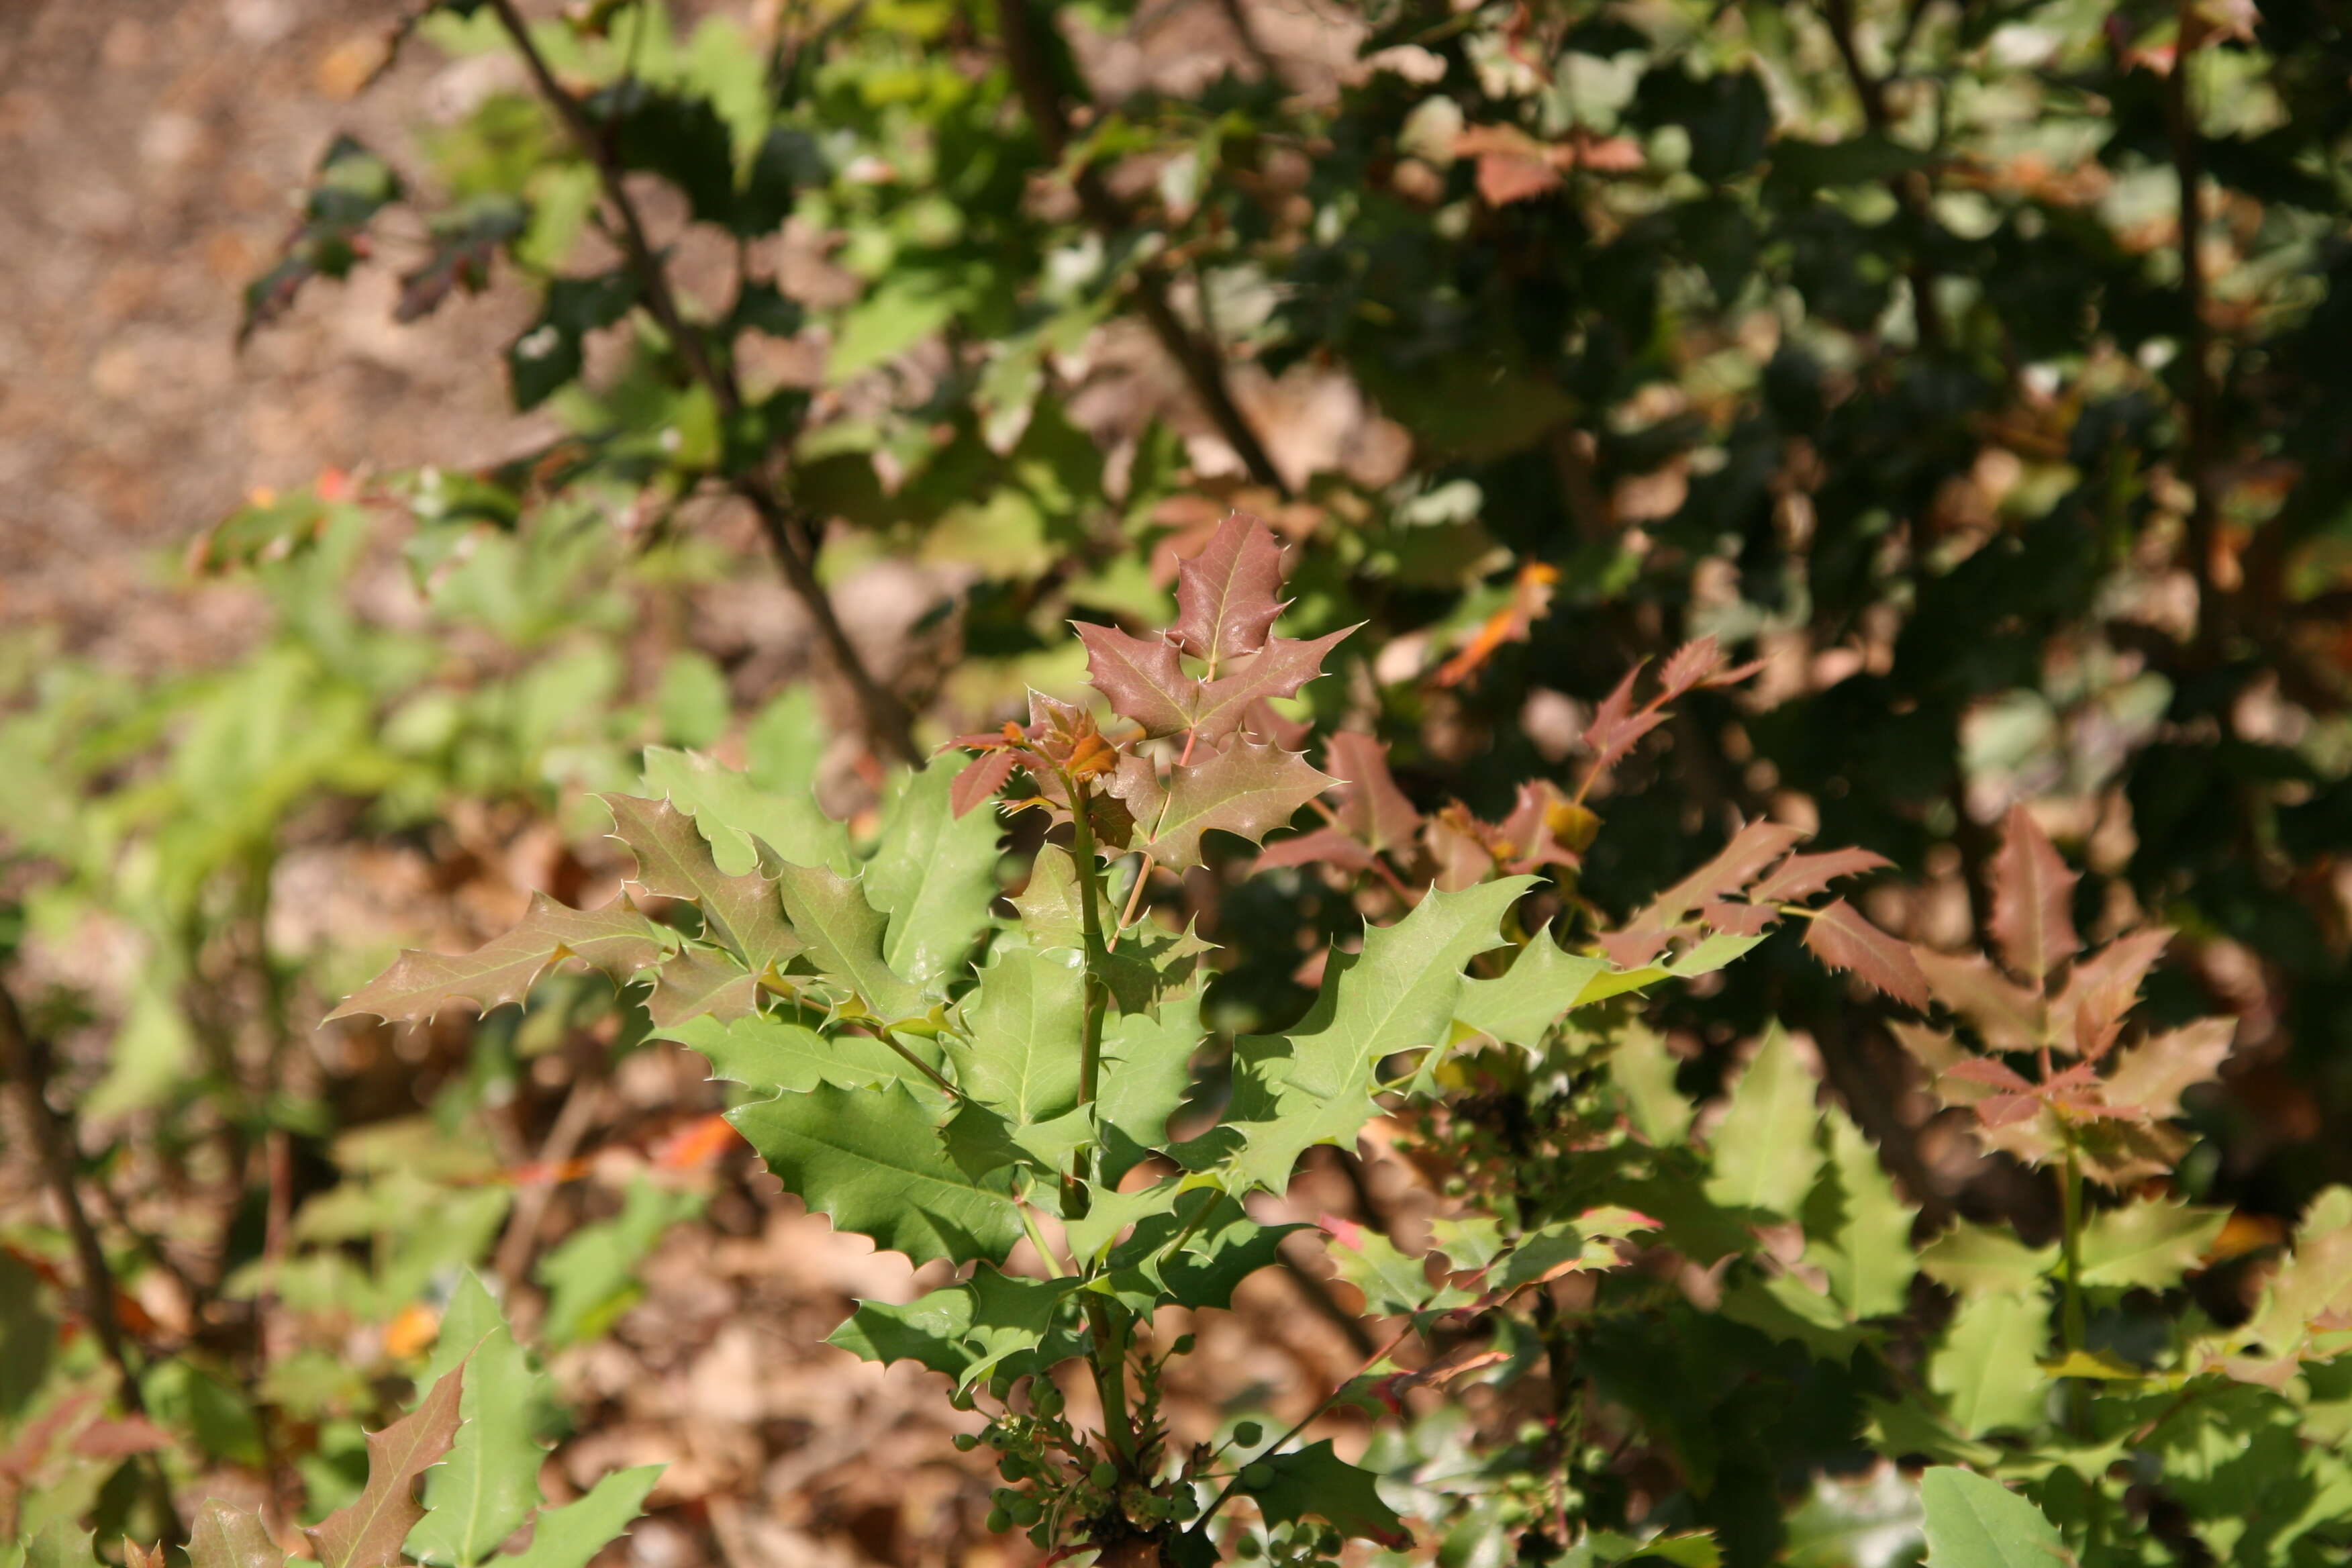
(1965, 363)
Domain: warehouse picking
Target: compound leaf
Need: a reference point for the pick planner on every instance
(2148, 1244)
(1765, 1157)
(1519, 1006)
(2032, 892)
(1225, 601)
(775, 1057)
(1987, 1368)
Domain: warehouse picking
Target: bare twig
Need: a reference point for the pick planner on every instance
(572, 1125)
(24, 1069)
(1201, 364)
(787, 527)
(2197, 334)
(1910, 188)
(25, 1063)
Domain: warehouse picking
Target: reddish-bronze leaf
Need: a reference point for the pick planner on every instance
(1225, 595)
(1802, 876)
(1245, 789)
(1840, 937)
(368, 1532)
(981, 779)
(1738, 919)
(1751, 849)
(1323, 847)
(2006, 1014)
(1143, 679)
(616, 939)
(1692, 663)
(2101, 989)
(2151, 1075)
(1545, 828)
(1375, 810)
(1992, 1074)
(1277, 669)
(1616, 727)
(2031, 894)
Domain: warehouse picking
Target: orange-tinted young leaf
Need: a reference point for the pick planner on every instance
(1245, 789)
(1840, 937)
(1545, 828)
(368, 1532)
(981, 779)
(2151, 1074)
(1226, 595)
(1752, 848)
(1691, 664)
(616, 939)
(1802, 876)
(2032, 892)
(1373, 808)
(226, 1537)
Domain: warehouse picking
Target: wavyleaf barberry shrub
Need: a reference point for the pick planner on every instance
(1607, 1295)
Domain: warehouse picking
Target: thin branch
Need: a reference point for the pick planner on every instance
(25, 1068)
(786, 526)
(1910, 188)
(1202, 365)
(2197, 334)
(24, 1062)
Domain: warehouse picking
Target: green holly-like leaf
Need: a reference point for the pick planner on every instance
(1765, 1156)
(569, 1536)
(1469, 1242)
(615, 940)
(933, 873)
(489, 1483)
(776, 1057)
(1857, 1227)
(2146, 1244)
(872, 1161)
(699, 982)
(1567, 1246)
(226, 1537)
(1643, 1071)
(1225, 1247)
(674, 861)
(1987, 1368)
(1146, 1068)
(736, 816)
(1020, 1052)
(368, 1532)
(592, 1278)
(1519, 1006)
(60, 1543)
(1974, 1522)
(1399, 994)
(1248, 788)
(995, 1322)
(1393, 1281)
(844, 935)
(1970, 1259)
(1049, 908)
(1316, 1481)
